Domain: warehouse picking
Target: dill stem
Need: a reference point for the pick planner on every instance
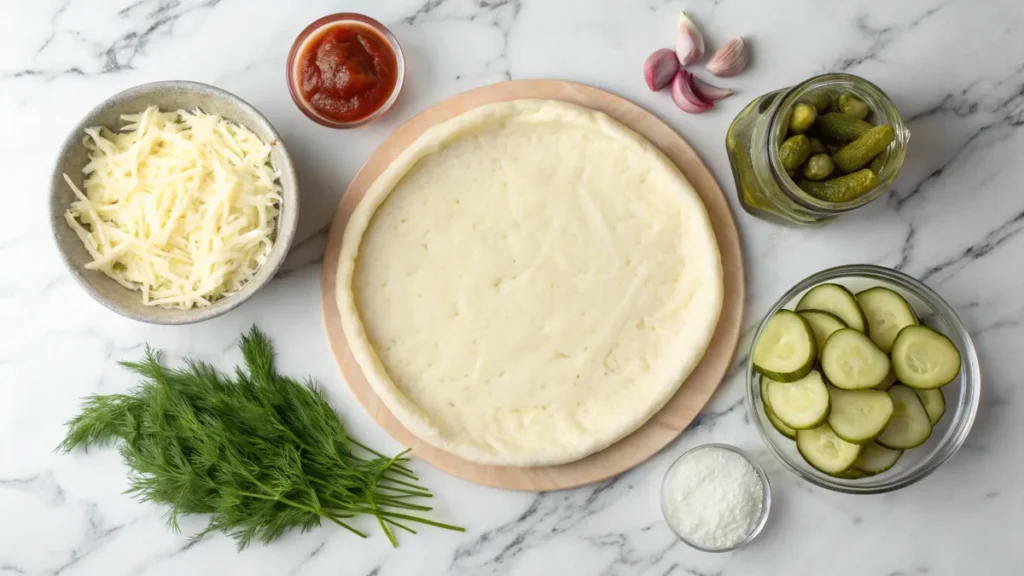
(304, 508)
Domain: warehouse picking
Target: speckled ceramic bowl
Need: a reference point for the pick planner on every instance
(170, 95)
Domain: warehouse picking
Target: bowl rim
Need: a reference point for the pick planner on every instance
(964, 415)
(766, 500)
(287, 221)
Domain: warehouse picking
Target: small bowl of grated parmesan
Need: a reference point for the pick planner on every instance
(715, 498)
(173, 202)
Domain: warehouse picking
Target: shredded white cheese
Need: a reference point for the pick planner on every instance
(179, 205)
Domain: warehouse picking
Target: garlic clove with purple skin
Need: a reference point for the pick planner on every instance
(689, 41)
(685, 95)
(710, 92)
(660, 68)
(729, 60)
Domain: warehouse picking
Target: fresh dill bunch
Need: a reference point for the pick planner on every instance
(259, 452)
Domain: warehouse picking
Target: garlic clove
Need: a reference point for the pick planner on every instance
(689, 41)
(729, 60)
(710, 92)
(660, 68)
(686, 97)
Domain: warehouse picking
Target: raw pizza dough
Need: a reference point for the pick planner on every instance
(528, 283)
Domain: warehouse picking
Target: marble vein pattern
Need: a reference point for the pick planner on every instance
(954, 218)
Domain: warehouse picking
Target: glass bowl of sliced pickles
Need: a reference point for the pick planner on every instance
(861, 379)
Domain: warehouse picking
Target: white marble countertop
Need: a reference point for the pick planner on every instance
(955, 68)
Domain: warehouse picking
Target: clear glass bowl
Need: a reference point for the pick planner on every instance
(962, 394)
(766, 502)
(312, 31)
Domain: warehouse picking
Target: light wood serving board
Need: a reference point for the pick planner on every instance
(668, 423)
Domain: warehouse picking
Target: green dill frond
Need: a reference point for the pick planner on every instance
(259, 453)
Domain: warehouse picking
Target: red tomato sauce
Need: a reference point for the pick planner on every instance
(347, 72)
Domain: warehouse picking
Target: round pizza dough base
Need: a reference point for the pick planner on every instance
(528, 283)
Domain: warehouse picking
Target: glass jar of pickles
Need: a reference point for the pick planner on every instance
(805, 154)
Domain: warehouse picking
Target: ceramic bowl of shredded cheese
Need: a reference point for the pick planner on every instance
(173, 202)
(715, 498)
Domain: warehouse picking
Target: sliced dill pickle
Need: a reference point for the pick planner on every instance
(843, 188)
(858, 154)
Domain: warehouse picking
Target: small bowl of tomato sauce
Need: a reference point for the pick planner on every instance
(345, 70)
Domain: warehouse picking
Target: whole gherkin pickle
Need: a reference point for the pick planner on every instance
(843, 188)
(818, 167)
(802, 118)
(850, 104)
(794, 151)
(817, 147)
(821, 100)
(877, 164)
(858, 154)
(842, 127)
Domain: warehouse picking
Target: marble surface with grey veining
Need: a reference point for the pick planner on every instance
(955, 68)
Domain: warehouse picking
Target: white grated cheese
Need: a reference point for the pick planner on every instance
(713, 498)
(181, 206)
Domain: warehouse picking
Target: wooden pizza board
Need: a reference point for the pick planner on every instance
(668, 423)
